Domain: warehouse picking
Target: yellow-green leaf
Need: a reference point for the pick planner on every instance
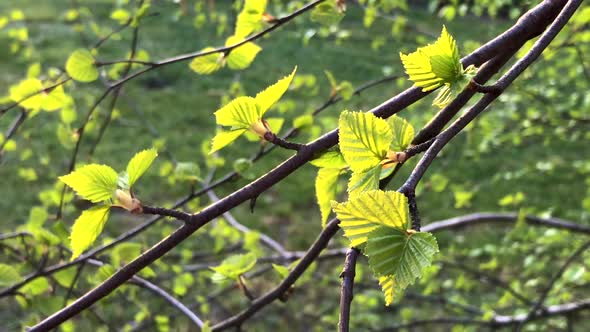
(369, 210)
(330, 159)
(327, 13)
(239, 113)
(8, 275)
(139, 164)
(87, 228)
(325, 190)
(393, 252)
(450, 91)
(120, 15)
(364, 139)
(80, 66)
(29, 89)
(242, 56)
(55, 99)
(387, 284)
(273, 93)
(234, 266)
(431, 66)
(364, 181)
(207, 64)
(250, 18)
(93, 182)
(223, 138)
(403, 133)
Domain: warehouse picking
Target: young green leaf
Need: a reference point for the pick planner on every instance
(240, 113)
(55, 99)
(187, 171)
(245, 114)
(242, 56)
(250, 18)
(273, 93)
(393, 252)
(364, 139)
(95, 183)
(434, 65)
(207, 64)
(325, 190)
(327, 13)
(8, 275)
(234, 266)
(449, 91)
(87, 228)
(283, 271)
(369, 210)
(224, 138)
(330, 159)
(28, 88)
(139, 164)
(403, 133)
(364, 181)
(80, 66)
(388, 287)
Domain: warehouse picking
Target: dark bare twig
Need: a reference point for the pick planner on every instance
(346, 290)
(265, 239)
(493, 280)
(274, 139)
(73, 283)
(481, 218)
(177, 214)
(311, 255)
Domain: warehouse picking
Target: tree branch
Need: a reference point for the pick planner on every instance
(312, 253)
(346, 290)
(392, 106)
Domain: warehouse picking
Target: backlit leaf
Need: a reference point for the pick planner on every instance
(327, 13)
(393, 252)
(139, 164)
(95, 183)
(239, 113)
(223, 138)
(207, 64)
(236, 265)
(242, 56)
(387, 284)
(250, 18)
(369, 210)
(80, 66)
(364, 181)
(87, 228)
(364, 139)
(403, 133)
(8, 275)
(330, 159)
(435, 64)
(28, 89)
(273, 93)
(325, 190)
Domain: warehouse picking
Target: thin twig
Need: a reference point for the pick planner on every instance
(346, 290)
